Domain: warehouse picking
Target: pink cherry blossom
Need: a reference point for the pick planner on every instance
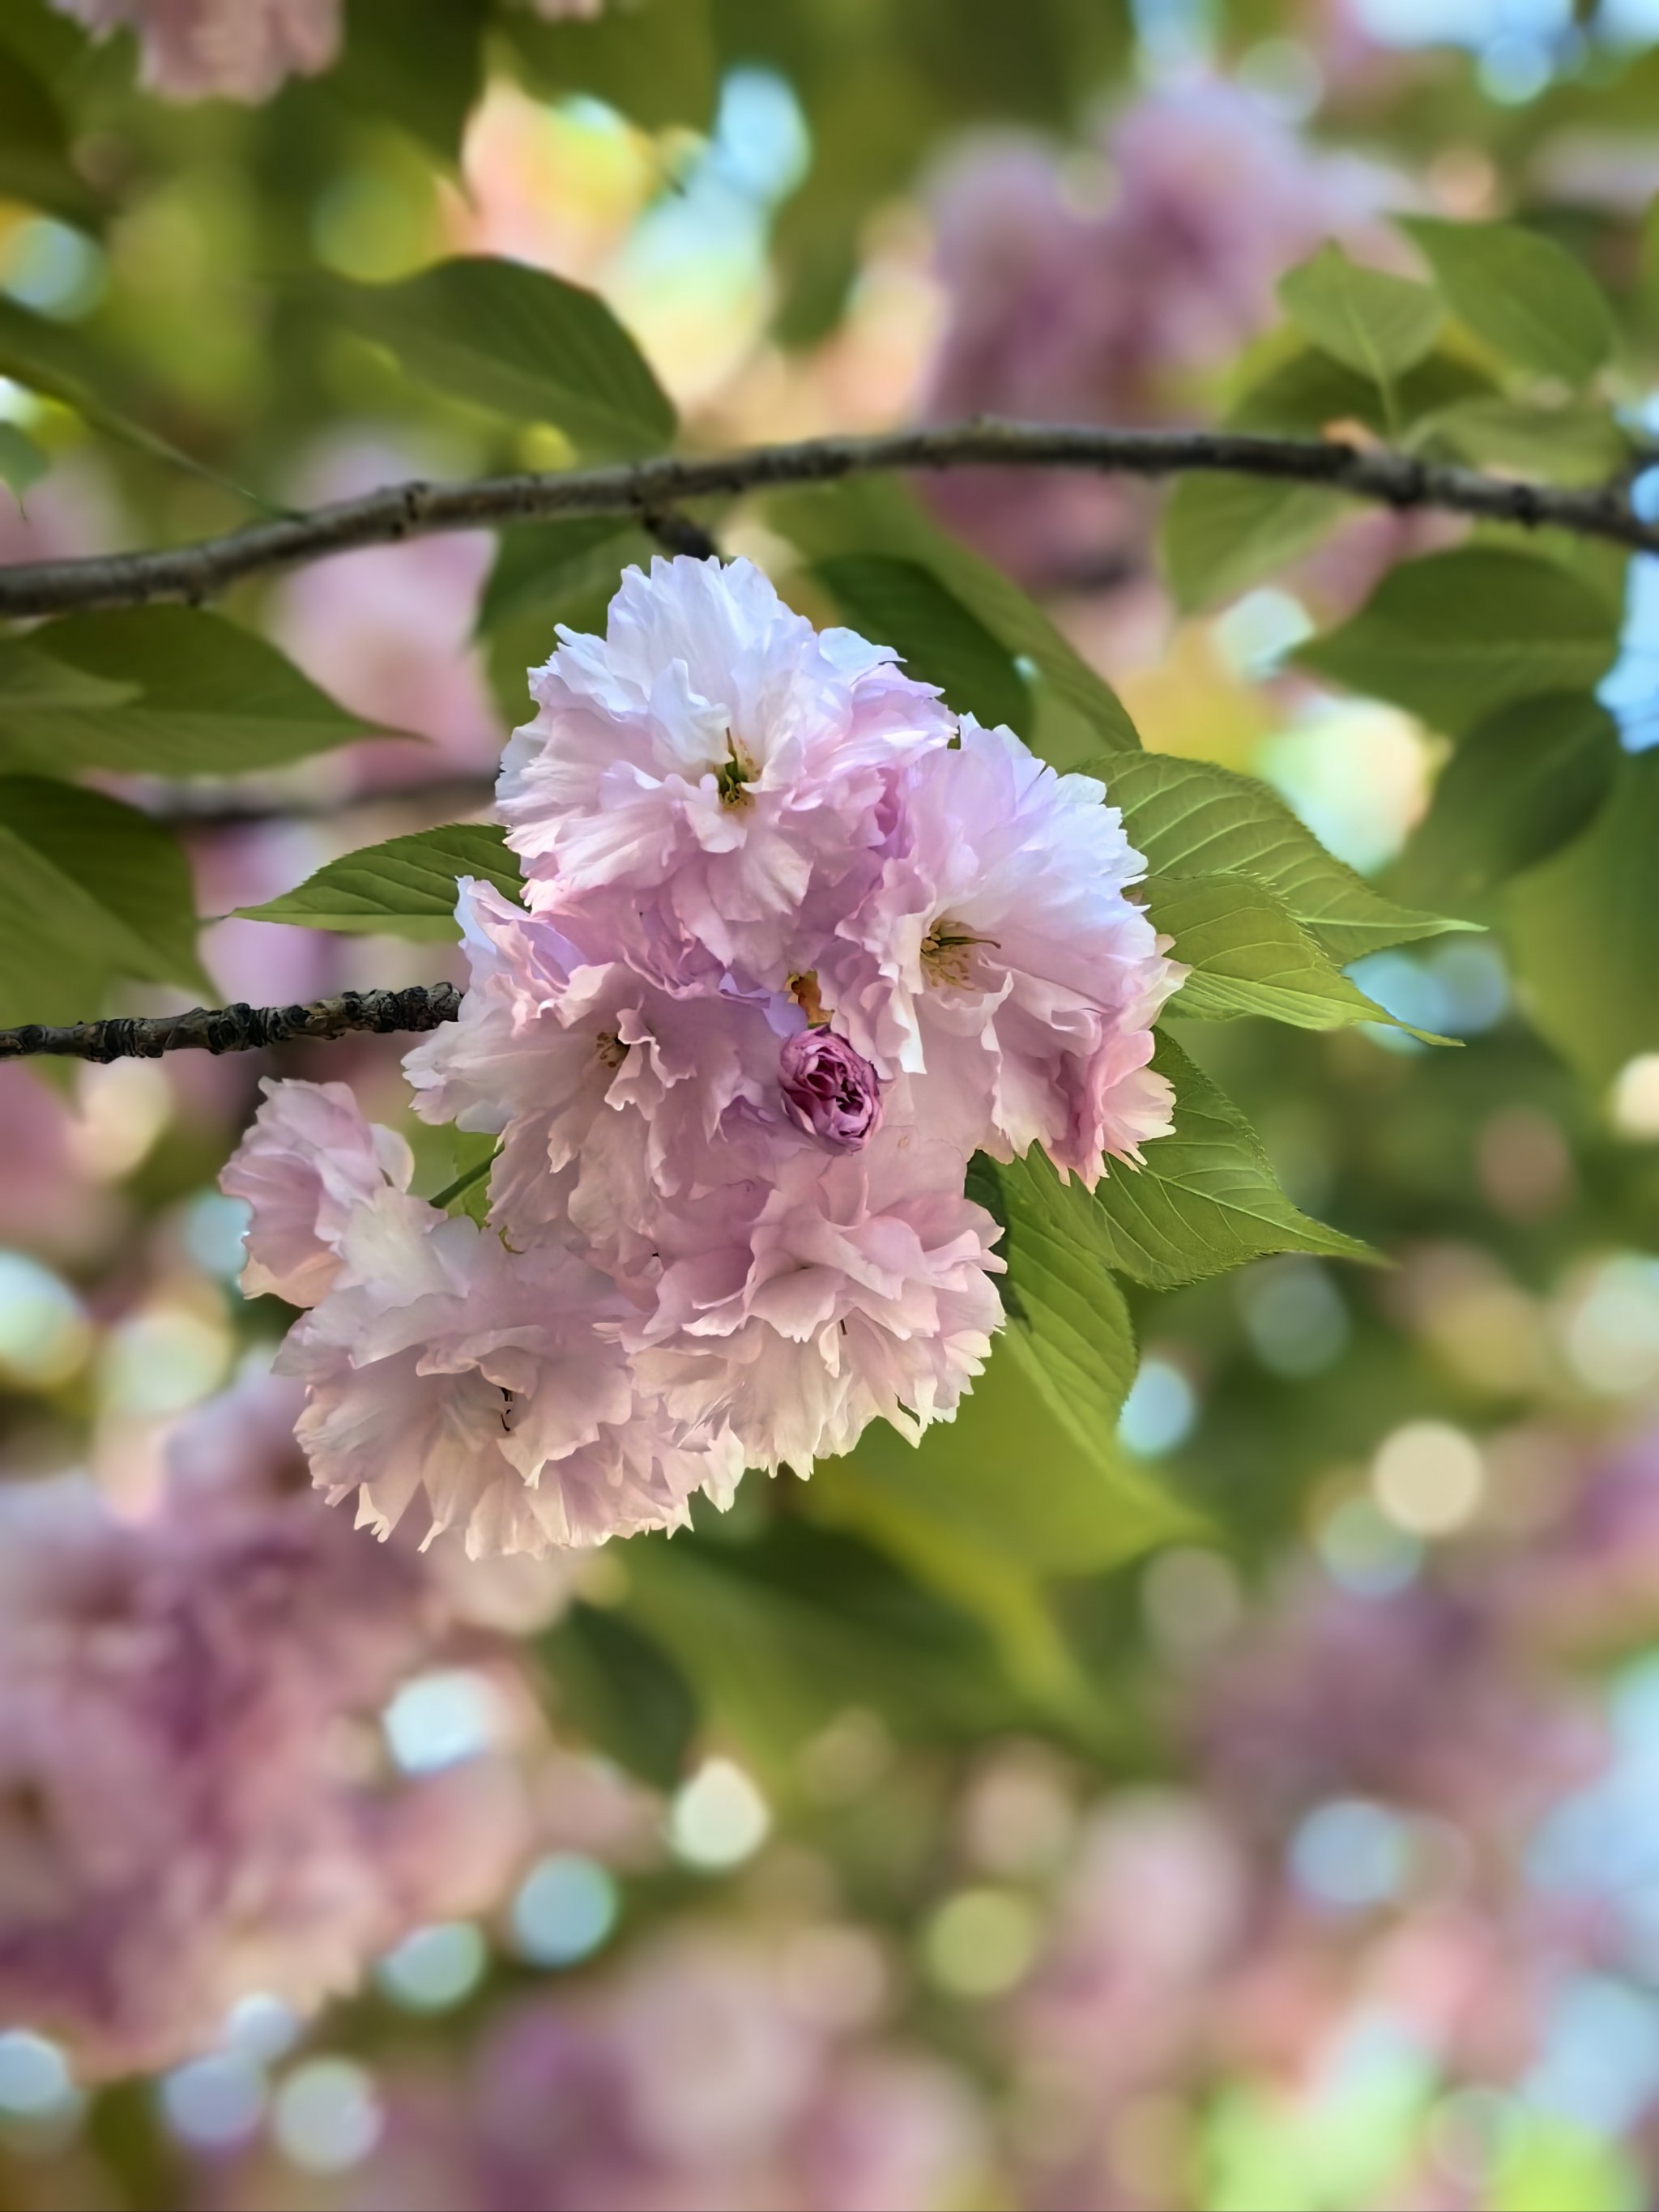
(190, 1805)
(589, 1068)
(308, 1163)
(485, 1377)
(829, 1089)
(1001, 956)
(698, 781)
(231, 49)
(860, 1289)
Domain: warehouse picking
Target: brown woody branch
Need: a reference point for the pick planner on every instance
(238, 1028)
(650, 492)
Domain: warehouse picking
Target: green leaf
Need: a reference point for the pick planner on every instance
(1028, 1482)
(1301, 396)
(1521, 783)
(22, 461)
(1584, 929)
(1222, 534)
(1249, 956)
(34, 149)
(618, 1687)
(1377, 324)
(780, 1635)
(654, 62)
(402, 888)
(1520, 294)
(1076, 710)
(1455, 635)
(1579, 443)
(502, 335)
(418, 63)
(60, 363)
(1190, 817)
(158, 691)
(545, 574)
(901, 604)
(90, 890)
(1207, 1198)
(1067, 1318)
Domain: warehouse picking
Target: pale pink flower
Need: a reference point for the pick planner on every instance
(445, 1362)
(308, 1163)
(698, 781)
(588, 1067)
(1001, 954)
(231, 49)
(860, 1289)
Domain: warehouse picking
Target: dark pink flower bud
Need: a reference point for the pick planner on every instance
(831, 1090)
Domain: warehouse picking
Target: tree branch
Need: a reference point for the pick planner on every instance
(651, 490)
(239, 1028)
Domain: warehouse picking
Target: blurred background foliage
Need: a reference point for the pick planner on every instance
(1249, 1803)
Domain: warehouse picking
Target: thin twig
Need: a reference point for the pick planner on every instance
(651, 489)
(239, 1028)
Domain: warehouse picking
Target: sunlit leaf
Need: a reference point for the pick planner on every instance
(1519, 293)
(1454, 636)
(505, 335)
(1248, 957)
(1207, 1198)
(1377, 324)
(1191, 818)
(402, 888)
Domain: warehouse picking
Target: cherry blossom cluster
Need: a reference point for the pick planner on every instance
(795, 942)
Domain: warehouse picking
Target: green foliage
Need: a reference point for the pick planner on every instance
(22, 461)
(1575, 443)
(416, 63)
(1221, 534)
(1520, 294)
(1301, 396)
(545, 574)
(1076, 710)
(1522, 782)
(1454, 636)
(782, 1631)
(90, 890)
(901, 604)
(1206, 1199)
(1584, 928)
(158, 691)
(1249, 956)
(500, 335)
(620, 1689)
(1376, 324)
(34, 152)
(1191, 818)
(60, 363)
(402, 888)
(602, 58)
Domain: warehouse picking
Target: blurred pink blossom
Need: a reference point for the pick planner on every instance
(1112, 297)
(194, 1798)
(228, 49)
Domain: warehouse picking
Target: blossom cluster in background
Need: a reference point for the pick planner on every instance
(796, 943)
